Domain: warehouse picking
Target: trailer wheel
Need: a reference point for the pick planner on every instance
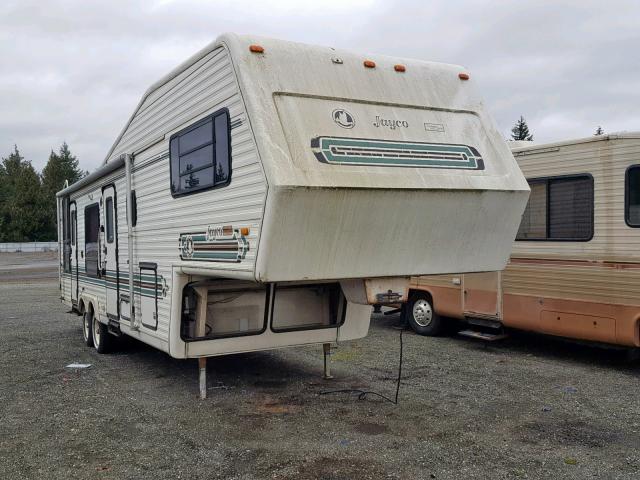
(102, 339)
(87, 328)
(419, 313)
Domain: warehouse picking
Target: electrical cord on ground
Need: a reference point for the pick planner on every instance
(362, 394)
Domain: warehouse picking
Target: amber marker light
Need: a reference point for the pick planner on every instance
(463, 76)
(369, 64)
(256, 49)
(399, 68)
(244, 231)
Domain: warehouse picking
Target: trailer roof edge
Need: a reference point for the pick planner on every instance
(96, 174)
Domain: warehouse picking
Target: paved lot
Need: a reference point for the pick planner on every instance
(531, 407)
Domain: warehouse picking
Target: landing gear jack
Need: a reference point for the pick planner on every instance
(202, 366)
(326, 349)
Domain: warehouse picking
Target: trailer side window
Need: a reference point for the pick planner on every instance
(559, 208)
(632, 196)
(74, 228)
(108, 208)
(91, 242)
(200, 155)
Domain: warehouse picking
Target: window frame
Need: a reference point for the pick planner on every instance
(547, 180)
(209, 118)
(626, 195)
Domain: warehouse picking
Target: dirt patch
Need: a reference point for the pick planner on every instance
(571, 433)
(327, 468)
(371, 428)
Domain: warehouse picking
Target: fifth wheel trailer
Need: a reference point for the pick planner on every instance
(265, 193)
(575, 264)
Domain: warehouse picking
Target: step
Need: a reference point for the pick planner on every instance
(488, 337)
(484, 322)
(114, 327)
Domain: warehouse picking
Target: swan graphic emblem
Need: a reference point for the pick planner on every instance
(343, 118)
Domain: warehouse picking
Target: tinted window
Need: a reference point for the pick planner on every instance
(222, 148)
(570, 209)
(108, 212)
(558, 209)
(632, 196)
(196, 160)
(196, 137)
(73, 227)
(200, 155)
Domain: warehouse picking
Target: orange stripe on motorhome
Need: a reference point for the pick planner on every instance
(579, 263)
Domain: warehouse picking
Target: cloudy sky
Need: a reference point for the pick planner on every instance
(74, 70)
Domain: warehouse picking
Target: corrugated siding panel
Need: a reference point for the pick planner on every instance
(207, 86)
(593, 283)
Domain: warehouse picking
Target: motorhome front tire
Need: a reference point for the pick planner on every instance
(419, 313)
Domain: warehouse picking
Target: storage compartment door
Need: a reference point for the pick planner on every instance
(481, 294)
(147, 293)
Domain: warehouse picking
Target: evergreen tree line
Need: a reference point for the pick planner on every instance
(520, 131)
(28, 198)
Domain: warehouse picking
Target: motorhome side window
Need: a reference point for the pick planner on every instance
(91, 235)
(632, 196)
(200, 155)
(559, 208)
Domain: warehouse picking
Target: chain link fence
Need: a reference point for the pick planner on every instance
(28, 247)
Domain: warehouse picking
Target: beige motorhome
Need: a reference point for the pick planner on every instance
(574, 270)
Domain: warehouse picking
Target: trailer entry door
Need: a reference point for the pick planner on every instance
(110, 251)
(74, 252)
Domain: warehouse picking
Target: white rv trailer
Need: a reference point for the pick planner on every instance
(264, 193)
(575, 264)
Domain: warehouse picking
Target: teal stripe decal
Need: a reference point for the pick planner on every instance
(352, 151)
(109, 281)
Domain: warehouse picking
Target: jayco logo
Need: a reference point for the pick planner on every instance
(392, 124)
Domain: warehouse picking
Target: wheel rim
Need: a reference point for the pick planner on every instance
(422, 312)
(96, 332)
(85, 327)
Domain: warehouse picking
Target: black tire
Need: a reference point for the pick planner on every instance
(419, 313)
(87, 328)
(102, 339)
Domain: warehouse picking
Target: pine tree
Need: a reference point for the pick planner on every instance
(599, 131)
(520, 130)
(22, 216)
(60, 167)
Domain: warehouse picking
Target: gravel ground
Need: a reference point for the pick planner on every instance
(529, 407)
